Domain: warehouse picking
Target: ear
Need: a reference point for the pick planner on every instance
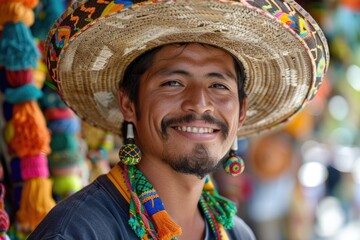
(127, 107)
(242, 114)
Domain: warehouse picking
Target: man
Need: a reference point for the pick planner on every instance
(174, 72)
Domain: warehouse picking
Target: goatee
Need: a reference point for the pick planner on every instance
(197, 163)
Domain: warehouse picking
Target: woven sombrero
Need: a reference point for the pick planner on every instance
(283, 50)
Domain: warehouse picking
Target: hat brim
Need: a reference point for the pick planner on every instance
(282, 72)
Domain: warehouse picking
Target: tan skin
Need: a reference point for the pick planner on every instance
(184, 79)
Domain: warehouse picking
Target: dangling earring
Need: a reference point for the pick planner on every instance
(130, 154)
(234, 165)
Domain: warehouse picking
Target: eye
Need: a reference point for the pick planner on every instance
(219, 86)
(171, 83)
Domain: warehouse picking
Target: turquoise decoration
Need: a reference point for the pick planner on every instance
(130, 154)
(18, 50)
(234, 165)
(22, 94)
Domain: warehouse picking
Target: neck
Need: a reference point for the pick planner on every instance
(180, 193)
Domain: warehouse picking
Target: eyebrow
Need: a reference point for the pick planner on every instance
(225, 76)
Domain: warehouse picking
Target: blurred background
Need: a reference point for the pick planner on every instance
(302, 180)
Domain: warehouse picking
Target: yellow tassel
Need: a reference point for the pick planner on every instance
(165, 227)
(36, 201)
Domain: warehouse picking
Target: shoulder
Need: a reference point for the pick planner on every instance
(95, 212)
(241, 230)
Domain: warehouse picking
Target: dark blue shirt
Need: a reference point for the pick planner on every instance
(99, 212)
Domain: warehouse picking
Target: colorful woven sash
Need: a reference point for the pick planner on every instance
(148, 217)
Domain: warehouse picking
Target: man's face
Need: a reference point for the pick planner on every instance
(188, 107)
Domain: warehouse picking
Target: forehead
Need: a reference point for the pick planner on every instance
(193, 50)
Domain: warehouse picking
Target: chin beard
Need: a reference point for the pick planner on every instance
(198, 162)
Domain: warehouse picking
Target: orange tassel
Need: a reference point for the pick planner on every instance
(16, 12)
(27, 3)
(166, 228)
(36, 201)
(31, 135)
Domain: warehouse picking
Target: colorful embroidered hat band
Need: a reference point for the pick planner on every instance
(283, 50)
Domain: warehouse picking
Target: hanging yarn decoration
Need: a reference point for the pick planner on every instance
(32, 138)
(67, 159)
(30, 133)
(17, 47)
(22, 94)
(36, 201)
(68, 169)
(4, 217)
(29, 138)
(19, 78)
(26, 3)
(15, 12)
(34, 166)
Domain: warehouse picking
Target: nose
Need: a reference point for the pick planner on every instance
(197, 100)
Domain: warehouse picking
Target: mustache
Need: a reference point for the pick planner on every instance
(191, 117)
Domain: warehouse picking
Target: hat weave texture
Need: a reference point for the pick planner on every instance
(283, 50)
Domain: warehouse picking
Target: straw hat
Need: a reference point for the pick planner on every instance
(283, 50)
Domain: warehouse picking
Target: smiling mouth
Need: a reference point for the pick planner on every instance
(195, 129)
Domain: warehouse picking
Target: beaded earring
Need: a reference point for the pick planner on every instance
(234, 165)
(130, 154)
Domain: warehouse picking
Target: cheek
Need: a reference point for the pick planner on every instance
(229, 107)
(228, 101)
(152, 112)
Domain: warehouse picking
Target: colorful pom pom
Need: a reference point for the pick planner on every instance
(33, 167)
(31, 135)
(22, 94)
(130, 154)
(234, 165)
(19, 77)
(17, 47)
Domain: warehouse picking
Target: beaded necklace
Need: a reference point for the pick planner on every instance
(148, 217)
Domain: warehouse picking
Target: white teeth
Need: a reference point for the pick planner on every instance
(195, 129)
